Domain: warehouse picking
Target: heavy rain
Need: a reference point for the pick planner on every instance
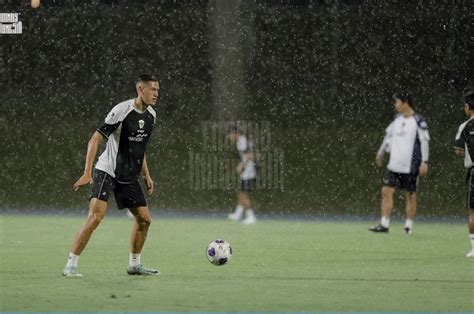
(309, 82)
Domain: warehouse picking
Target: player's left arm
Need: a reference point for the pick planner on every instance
(460, 141)
(146, 176)
(424, 137)
(240, 167)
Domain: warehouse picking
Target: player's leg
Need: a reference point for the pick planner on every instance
(247, 188)
(140, 228)
(97, 210)
(470, 205)
(386, 206)
(471, 232)
(410, 199)
(386, 209)
(391, 181)
(387, 201)
(249, 212)
(239, 209)
(131, 196)
(409, 183)
(101, 188)
(138, 237)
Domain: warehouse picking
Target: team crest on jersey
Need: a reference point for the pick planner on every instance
(141, 123)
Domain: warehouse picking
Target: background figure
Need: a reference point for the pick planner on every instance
(464, 147)
(407, 141)
(127, 129)
(247, 172)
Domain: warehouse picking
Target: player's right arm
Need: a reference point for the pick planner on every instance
(460, 141)
(385, 147)
(111, 123)
(94, 143)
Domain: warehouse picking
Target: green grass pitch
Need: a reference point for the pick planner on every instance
(284, 266)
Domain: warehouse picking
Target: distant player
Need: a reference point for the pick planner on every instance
(127, 130)
(407, 141)
(464, 146)
(247, 172)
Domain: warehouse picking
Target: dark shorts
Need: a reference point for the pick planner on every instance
(470, 189)
(127, 195)
(248, 185)
(403, 181)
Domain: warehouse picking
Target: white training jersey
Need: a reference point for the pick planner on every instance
(127, 131)
(465, 140)
(247, 157)
(407, 141)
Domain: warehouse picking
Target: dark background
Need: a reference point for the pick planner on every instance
(321, 72)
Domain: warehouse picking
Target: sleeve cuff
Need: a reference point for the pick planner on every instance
(102, 133)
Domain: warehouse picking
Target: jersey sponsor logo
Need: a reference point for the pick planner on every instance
(141, 123)
(138, 138)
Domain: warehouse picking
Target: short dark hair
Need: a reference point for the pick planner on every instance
(405, 97)
(233, 129)
(145, 78)
(469, 99)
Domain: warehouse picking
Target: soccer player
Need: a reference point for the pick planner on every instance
(247, 172)
(407, 141)
(127, 130)
(464, 146)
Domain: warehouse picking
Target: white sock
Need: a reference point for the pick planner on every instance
(134, 260)
(471, 237)
(385, 222)
(409, 223)
(239, 210)
(249, 213)
(72, 260)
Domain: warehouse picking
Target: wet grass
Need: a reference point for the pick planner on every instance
(277, 266)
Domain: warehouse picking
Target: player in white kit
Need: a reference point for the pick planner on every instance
(464, 146)
(407, 142)
(247, 172)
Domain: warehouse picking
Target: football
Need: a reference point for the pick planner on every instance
(219, 252)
